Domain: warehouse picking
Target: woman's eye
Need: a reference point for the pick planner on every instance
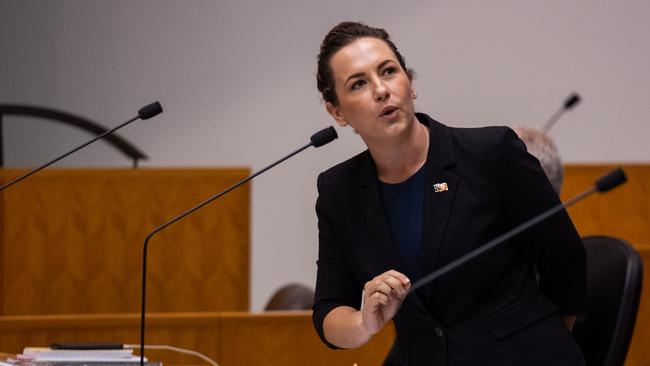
(357, 84)
(389, 70)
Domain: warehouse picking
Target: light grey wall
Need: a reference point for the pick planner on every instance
(236, 79)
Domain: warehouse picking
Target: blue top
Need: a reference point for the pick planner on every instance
(403, 204)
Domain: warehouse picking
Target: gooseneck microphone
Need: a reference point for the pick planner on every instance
(608, 182)
(318, 139)
(570, 102)
(146, 112)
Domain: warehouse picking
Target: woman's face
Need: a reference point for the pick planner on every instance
(375, 95)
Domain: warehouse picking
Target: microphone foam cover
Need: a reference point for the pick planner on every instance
(612, 180)
(572, 101)
(150, 110)
(324, 136)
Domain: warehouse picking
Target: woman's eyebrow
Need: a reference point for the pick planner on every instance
(359, 74)
(383, 63)
(356, 75)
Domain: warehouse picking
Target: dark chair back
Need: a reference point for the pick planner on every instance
(291, 297)
(614, 276)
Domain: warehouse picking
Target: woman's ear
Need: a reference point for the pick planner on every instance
(336, 114)
(414, 93)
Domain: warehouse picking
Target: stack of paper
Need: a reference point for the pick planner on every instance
(40, 356)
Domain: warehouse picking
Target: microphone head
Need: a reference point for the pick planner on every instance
(572, 101)
(324, 136)
(150, 110)
(611, 180)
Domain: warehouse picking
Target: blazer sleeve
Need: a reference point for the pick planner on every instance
(553, 245)
(336, 284)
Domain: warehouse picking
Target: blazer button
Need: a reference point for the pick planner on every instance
(439, 332)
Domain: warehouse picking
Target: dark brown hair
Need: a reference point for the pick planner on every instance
(340, 36)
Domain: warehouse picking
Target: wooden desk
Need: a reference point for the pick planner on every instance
(230, 338)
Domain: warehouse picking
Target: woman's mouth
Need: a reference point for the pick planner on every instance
(389, 112)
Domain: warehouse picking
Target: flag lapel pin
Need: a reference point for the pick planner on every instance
(440, 187)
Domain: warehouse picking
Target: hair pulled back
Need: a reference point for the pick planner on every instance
(340, 36)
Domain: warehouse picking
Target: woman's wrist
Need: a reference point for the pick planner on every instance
(362, 325)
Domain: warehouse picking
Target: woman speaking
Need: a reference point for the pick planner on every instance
(422, 195)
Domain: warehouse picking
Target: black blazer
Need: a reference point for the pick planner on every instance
(491, 311)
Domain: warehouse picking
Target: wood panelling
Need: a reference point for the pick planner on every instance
(72, 241)
(231, 339)
(289, 339)
(623, 212)
(195, 331)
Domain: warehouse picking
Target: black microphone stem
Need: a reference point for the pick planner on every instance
(200, 205)
(66, 154)
(553, 119)
(498, 240)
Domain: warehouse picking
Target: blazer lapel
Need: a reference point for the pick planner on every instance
(373, 211)
(439, 193)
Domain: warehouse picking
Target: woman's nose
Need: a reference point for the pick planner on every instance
(381, 92)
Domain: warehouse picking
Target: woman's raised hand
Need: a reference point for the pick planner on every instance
(382, 298)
